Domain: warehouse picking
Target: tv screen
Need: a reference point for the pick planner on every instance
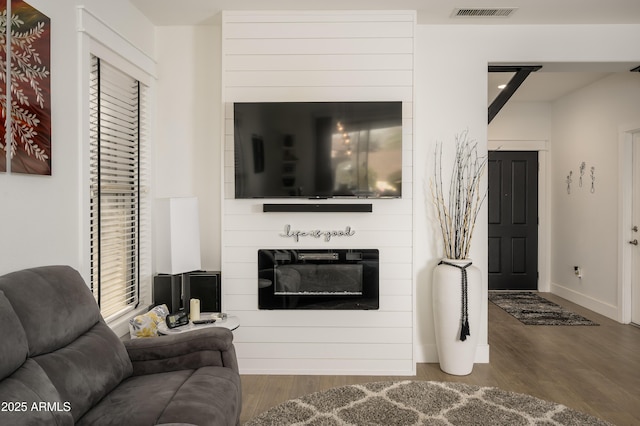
(318, 149)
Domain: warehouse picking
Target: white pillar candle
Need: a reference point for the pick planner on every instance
(194, 309)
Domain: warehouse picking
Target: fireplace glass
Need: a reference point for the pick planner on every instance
(318, 279)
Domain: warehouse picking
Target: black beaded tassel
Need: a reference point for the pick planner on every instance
(464, 320)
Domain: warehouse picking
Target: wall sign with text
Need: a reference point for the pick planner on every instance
(325, 235)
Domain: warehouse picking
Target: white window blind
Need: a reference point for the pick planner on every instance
(115, 185)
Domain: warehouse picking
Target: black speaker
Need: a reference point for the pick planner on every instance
(203, 285)
(167, 289)
(206, 286)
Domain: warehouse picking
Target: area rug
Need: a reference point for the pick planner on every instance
(420, 403)
(531, 309)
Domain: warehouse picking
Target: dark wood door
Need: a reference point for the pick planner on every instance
(513, 220)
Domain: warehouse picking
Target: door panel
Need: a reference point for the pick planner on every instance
(513, 220)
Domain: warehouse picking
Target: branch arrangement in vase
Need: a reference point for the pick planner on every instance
(458, 209)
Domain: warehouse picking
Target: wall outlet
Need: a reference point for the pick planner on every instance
(577, 271)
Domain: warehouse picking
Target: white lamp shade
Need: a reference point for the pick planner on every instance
(177, 235)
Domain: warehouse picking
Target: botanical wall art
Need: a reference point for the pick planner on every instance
(3, 84)
(27, 129)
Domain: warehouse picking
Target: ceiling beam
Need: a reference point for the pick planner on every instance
(521, 74)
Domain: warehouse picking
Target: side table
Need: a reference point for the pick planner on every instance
(231, 322)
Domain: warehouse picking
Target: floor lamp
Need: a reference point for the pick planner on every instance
(178, 243)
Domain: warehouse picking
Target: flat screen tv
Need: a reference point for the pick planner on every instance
(318, 149)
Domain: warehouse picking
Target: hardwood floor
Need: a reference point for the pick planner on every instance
(591, 369)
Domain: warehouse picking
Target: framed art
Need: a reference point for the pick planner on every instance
(3, 85)
(26, 130)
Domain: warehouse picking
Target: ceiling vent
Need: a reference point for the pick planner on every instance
(483, 12)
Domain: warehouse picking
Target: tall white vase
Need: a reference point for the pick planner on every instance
(456, 356)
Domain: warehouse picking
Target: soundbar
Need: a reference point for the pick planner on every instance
(318, 208)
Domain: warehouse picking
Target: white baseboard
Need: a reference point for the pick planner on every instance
(482, 354)
(429, 354)
(426, 353)
(333, 367)
(602, 308)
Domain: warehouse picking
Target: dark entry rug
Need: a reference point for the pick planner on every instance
(420, 403)
(531, 309)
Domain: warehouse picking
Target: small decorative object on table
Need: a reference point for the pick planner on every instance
(207, 319)
(194, 309)
(177, 320)
(146, 325)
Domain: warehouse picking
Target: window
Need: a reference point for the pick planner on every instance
(115, 188)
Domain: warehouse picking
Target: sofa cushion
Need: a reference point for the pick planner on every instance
(14, 348)
(207, 396)
(39, 403)
(211, 397)
(66, 336)
(53, 304)
(88, 368)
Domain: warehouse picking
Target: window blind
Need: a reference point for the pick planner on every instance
(115, 186)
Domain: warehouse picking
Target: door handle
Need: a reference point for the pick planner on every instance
(634, 242)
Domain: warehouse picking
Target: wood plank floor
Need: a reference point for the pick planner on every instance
(591, 369)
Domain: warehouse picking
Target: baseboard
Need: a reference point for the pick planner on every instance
(311, 372)
(324, 367)
(429, 354)
(482, 354)
(426, 353)
(602, 308)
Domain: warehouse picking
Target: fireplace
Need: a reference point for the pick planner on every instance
(318, 279)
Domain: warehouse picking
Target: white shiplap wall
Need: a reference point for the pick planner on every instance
(320, 56)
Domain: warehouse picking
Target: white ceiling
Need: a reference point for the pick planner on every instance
(202, 12)
(548, 84)
(543, 86)
(555, 79)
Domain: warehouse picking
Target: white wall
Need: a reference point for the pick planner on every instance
(452, 95)
(42, 216)
(321, 56)
(187, 144)
(581, 126)
(585, 228)
(521, 121)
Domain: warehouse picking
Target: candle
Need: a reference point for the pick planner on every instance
(194, 309)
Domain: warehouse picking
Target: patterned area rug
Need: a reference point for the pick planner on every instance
(420, 403)
(531, 309)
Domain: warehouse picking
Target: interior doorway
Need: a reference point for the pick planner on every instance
(513, 220)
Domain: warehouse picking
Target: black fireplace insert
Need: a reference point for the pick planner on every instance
(318, 279)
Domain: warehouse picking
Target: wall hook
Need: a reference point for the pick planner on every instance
(569, 180)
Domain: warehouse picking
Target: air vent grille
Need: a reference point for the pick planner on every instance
(495, 12)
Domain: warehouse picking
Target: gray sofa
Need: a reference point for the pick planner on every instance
(60, 364)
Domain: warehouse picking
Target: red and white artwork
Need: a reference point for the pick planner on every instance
(25, 89)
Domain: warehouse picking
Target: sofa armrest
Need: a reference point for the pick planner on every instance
(211, 346)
